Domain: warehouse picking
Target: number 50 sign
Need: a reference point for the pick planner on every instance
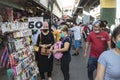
(35, 22)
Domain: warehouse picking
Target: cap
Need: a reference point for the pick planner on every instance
(96, 23)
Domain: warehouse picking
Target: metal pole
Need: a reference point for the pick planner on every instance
(51, 17)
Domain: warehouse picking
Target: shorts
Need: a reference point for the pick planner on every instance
(77, 43)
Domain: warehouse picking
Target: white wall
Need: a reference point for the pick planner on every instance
(117, 20)
(86, 17)
(95, 12)
(59, 3)
(79, 19)
(56, 11)
(118, 9)
(44, 2)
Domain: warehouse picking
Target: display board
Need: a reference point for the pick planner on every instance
(20, 50)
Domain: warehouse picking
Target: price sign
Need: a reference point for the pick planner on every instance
(35, 22)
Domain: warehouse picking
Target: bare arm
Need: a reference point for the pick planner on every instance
(100, 72)
(109, 44)
(66, 47)
(86, 48)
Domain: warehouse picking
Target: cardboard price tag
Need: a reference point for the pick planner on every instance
(35, 22)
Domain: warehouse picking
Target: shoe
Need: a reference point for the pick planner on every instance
(80, 46)
(49, 78)
(77, 54)
(74, 54)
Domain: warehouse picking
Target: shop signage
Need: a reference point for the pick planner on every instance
(35, 22)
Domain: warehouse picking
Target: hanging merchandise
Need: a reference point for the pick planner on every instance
(10, 13)
(14, 27)
(18, 55)
(1, 41)
(4, 60)
(7, 14)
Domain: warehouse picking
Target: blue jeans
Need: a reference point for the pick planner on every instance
(92, 65)
(77, 44)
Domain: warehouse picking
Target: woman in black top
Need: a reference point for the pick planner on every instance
(45, 40)
(65, 49)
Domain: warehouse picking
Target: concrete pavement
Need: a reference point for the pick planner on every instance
(78, 69)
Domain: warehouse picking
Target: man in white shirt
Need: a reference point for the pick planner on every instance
(77, 38)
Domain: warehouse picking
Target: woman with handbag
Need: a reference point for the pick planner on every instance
(45, 61)
(65, 50)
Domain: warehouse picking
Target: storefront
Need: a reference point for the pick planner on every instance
(16, 49)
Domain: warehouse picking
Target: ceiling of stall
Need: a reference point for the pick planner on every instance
(85, 4)
(91, 3)
(21, 4)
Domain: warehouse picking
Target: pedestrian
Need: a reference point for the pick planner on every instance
(90, 27)
(97, 39)
(108, 62)
(44, 42)
(86, 32)
(65, 50)
(77, 37)
(106, 27)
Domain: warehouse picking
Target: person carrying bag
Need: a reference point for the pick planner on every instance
(44, 50)
(45, 42)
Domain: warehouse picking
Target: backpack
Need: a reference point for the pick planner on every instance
(86, 32)
(57, 45)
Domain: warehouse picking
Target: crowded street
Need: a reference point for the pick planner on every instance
(59, 39)
(78, 65)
